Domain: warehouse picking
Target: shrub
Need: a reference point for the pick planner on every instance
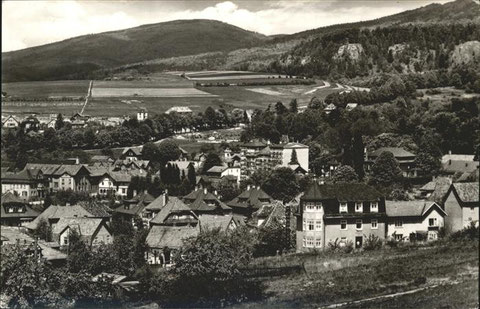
(372, 242)
(334, 245)
(348, 247)
(471, 232)
(392, 243)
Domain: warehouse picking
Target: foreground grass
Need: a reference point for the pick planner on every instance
(404, 270)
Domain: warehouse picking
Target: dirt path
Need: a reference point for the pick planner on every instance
(325, 85)
(89, 93)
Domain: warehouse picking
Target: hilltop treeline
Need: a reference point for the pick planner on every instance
(420, 48)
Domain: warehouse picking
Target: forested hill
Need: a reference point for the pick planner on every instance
(73, 57)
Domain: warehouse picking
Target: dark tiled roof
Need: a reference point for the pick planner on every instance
(396, 151)
(442, 184)
(467, 191)
(453, 166)
(161, 236)
(25, 176)
(10, 198)
(199, 200)
(157, 204)
(254, 197)
(341, 192)
(96, 209)
(85, 226)
(409, 208)
(214, 222)
(174, 205)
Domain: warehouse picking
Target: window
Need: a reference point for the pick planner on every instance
(304, 224)
(358, 207)
(432, 222)
(304, 241)
(343, 224)
(343, 207)
(374, 207)
(10, 209)
(65, 240)
(123, 190)
(310, 241)
(398, 223)
(311, 225)
(318, 242)
(359, 224)
(399, 237)
(318, 225)
(374, 224)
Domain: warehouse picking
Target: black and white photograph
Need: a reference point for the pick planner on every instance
(240, 154)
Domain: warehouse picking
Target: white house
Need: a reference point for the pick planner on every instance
(10, 122)
(142, 115)
(420, 218)
(93, 231)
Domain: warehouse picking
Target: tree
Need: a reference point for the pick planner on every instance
(191, 176)
(294, 106)
(282, 184)
(79, 255)
(293, 157)
(385, 170)
(43, 231)
(344, 173)
(211, 160)
(59, 123)
(168, 151)
(427, 164)
(151, 152)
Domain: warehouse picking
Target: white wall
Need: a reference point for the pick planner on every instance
(419, 224)
(302, 156)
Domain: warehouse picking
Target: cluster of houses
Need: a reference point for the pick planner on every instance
(37, 122)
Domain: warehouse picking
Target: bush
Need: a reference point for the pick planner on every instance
(469, 233)
(392, 243)
(372, 242)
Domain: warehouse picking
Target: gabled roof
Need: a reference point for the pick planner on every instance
(457, 157)
(174, 205)
(217, 169)
(136, 151)
(196, 200)
(467, 192)
(410, 208)
(214, 222)
(430, 186)
(161, 236)
(396, 151)
(85, 209)
(25, 176)
(453, 166)
(251, 197)
(85, 226)
(341, 192)
(10, 198)
(157, 204)
(182, 165)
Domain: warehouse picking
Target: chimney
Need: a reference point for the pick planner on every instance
(449, 152)
(204, 190)
(450, 162)
(196, 187)
(134, 192)
(215, 193)
(248, 187)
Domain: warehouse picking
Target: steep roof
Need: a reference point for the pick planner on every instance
(25, 176)
(341, 192)
(174, 205)
(453, 166)
(251, 197)
(161, 236)
(157, 204)
(196, 200)
(467, 191)
(430, 186)
(214, 222)
(442, 184)
(85, 226)
(10, 198)
(217, 169)
(409, 208)
(396, 151)
(136, 151)
(182, 165)
(75, 211)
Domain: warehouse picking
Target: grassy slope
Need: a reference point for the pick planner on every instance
(85, 53)
(390, 272)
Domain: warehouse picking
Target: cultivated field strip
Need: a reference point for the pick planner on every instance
(149, 92)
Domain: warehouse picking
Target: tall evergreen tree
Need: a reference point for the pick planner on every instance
(293, 158)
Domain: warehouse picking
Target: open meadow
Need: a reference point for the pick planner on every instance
(157, 93)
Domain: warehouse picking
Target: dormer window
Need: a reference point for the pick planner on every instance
(374, 207)
(343, 208)
(359, 207)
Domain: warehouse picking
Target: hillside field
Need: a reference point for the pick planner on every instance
(157, 93)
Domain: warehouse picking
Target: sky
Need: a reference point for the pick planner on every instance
(31, 23)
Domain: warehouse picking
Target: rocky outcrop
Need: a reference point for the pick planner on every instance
(466, 53)
(349, 51)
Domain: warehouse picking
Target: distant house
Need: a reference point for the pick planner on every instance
(132, 153)
(414, 220)
(351, 106)
(142, 115)
(75, 177)
(135, 208)
(10, 122)
(347, 212)
(182, 165)
(201, 201)
(93, 231)
(14, 211)
(179, 109)
(462, 206)
(31, 123)
(329, 108)
(223, 171)
(458, 164)
(116, 182)
(14, 236)
(100, 158)
(28, 184)
(406, 160)
(249, 201)
(153, 208)
(54, 213)
(128, 165)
